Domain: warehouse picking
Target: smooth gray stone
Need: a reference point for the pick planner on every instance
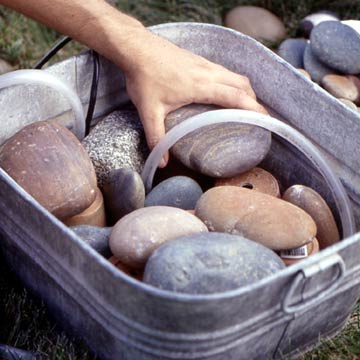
(210, 263)
(314, 67)
(292, 50)
(95, 236)
(221, 150)
(123, 193)
(310, 21)
(118, 141)
(178, 191)
(337, 45)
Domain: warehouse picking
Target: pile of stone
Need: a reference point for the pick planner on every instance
(214, 222)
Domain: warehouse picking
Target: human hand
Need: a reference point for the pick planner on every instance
(163, 77)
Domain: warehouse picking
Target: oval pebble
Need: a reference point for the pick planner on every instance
(266, 219)
(210, 263)
(337, 45)
(178, 191)
(342, 86)
(256, 179)
(138, 234)
(221, 150)
(313, 203)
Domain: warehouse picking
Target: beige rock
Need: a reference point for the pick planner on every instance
(135, 236)
(349, 104)
(293, 256)
(305, 73)
(257, 22)
(341, 86)
(313, 203)
(255, 179)
(266, 219)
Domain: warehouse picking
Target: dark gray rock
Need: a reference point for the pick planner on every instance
(123, 193)
(209, 263)
(309, 22)
(118, 141)
(218, 150)
(292, 50)
(178, 191)
(95, 236)
(314, 67)
(337, 45)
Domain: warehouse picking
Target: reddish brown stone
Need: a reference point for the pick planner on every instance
(313, 203)
(255, 179)
(266, 219)
(138, 275)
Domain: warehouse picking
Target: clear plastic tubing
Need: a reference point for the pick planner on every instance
(41, 77)
(267, 122)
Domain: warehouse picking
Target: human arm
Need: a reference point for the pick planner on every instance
(150, 64)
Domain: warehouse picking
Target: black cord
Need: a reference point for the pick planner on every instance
(95, 79)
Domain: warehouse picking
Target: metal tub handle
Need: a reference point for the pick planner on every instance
(306, 273)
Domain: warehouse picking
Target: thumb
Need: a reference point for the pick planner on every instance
(154, 128)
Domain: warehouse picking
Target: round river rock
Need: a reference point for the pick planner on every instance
(221, 150)
(210, 263)
(138, 234)
(263, 218)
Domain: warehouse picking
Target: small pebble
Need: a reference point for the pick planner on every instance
(138, 234)
(256, 22)
(305, 73)
(116, 142)
(292, 50)
(255, 179)
(341, 86)
(260, 217)
(313, 203)
(210, 263)
(178, 191)
(309, 22)
(95, 236)
(123, 192)
(337, 45)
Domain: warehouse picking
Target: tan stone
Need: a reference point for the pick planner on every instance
(313, 203)
(255, 179)
(266, 219)
(349, 104)
(256, 22)
(93, 215)
(341, 86)
(311, 249)
(305, 73)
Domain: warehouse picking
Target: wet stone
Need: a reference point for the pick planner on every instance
(309, 22)
(256, 22)
(138, 234)
(314, 67)
(123, 193)
(313, 203)
(342, 86)
(178, 191)
(256, 179)
(260, 217)
(118, 141)
(221, 150)
(337, 45)
(292, 50)
(210, 263)
(95, 236)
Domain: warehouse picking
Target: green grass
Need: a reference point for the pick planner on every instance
(24, 321)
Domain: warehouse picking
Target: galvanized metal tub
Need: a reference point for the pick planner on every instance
(122, 318)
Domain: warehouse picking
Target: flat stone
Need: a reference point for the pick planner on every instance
(337, 45)
(210, 263)
(138, 234)
(313, 203)
(256, 22)
(123, 192)
(310, 21)
(342, 86)
(255, 179)
(48, 161)
(118, 141)
(314, 67)
(95, 236)
(260, 217)
(178, 191)
(5, 67)
(221, 150)
(292, 50)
